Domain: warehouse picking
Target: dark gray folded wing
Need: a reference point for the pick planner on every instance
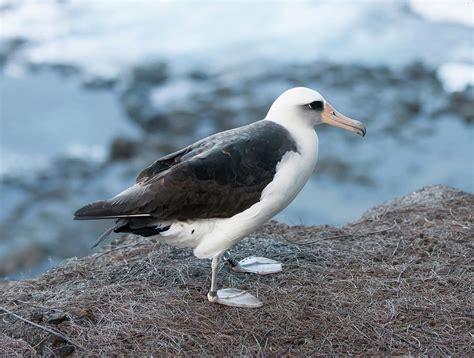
(216, 177)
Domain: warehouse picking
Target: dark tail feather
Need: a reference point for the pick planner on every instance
(97, 210)
(103, 210)
(104, 236)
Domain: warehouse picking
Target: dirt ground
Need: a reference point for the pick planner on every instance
(396, 282)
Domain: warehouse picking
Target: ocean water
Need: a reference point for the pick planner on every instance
(45, 116)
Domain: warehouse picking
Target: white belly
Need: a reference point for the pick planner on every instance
(210, 237)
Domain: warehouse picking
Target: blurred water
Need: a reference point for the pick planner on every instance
(44, 116)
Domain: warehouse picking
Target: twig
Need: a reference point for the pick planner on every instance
(396, 248)
(32, 304)
(49, 330)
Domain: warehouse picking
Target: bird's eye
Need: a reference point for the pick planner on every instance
(318, 105)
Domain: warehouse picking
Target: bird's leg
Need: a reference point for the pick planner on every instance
(258, 265)
(229, 296)
(212, 295)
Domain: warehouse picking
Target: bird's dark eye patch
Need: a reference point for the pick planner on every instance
(318, 105)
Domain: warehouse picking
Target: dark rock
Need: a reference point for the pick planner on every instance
(199, 75)
(66, 70)
(459, 104)
(412, 107)
(150, 72)
(462, 104)
(122, 148)
(99, 83)
(36, 316)
(22, 258)
(419, 71)
(228, 105)
(136, 102)
(8, 47)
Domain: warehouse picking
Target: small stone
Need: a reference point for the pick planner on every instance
(55, 317)
(122, 148)
(36, 316)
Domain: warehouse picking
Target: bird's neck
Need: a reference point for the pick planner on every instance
(293, 126)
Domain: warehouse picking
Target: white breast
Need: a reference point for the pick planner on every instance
(294, 169)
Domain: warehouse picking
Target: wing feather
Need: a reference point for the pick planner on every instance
(218, 176)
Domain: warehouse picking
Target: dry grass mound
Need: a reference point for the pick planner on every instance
(397, 281)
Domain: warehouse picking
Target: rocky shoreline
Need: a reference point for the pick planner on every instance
(395, 282)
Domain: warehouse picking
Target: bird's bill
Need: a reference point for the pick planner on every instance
(334, 118)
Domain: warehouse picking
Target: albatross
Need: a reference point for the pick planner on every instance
(213, 193)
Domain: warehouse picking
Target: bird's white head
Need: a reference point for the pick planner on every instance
(301, 106)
